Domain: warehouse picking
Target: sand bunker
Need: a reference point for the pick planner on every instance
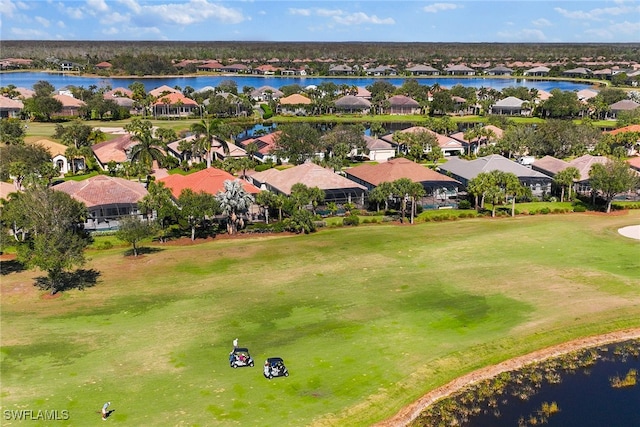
(632, 231)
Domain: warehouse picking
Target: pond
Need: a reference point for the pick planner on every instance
(27, 79)
(584, 396)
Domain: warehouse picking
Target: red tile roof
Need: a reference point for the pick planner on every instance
(174, 98)
(630, 128)
(103, 190)
(395, 169)
(114, 149)
(210, 180)
(265, 143)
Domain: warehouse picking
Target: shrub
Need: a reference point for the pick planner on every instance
(267, 113)
(545, 211)
(351, 220)
(103, 245)
(464, 204)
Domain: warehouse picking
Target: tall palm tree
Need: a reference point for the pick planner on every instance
(148, 149)
(206, 131)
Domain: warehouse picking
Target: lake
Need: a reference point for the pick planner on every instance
(27, 79)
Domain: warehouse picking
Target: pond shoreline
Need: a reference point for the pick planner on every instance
(412, 411)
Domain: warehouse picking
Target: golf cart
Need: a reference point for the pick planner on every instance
(274, 367)
(240, 357)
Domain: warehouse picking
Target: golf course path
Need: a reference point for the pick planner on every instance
(411, 412)
(632, 231)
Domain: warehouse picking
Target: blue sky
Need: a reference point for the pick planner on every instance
(309, 20)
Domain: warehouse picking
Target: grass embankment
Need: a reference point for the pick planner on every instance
(367, 319)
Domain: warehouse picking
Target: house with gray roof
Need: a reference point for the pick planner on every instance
(381, 70)
(378, 150)
(578, 72)
(459, 70)
(541, 71)
(353, 104)
(401, 104)
(511, 106)
(266, 93)
(466, 170)
(423, 70)
(620, 106)
(341, 70)
(500, 70)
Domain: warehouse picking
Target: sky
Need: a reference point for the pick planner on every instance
(513, 21)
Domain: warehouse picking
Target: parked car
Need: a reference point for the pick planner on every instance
(274, 367)
(240, 357)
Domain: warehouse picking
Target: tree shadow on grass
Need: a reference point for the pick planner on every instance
(11, 266)
(79, 279)
(143, 251)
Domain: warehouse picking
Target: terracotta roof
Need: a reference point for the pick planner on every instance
(114, 149)
(549, 165)
(174, 98)
(634, 162)
(377, 143)
(162, 89)
(584, 163)
(309, 174)
(118, 92)
(395, 169)
(295, 99)
(630, 128)
(6, 188)
(25, 92)
(265, 143)
(443, 140)
(234, 151)
(55, 148)
(7, 103)
(103, 64)
(210, 180)
(103, 190)
(69, 101)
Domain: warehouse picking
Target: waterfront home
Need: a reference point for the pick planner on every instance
(540, 71)
(175, 105)
(423, 70)
(352, 104)
(10, 108)
(511, 106)
(70, 105)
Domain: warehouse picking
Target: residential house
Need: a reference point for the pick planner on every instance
(423, 70)
(59, 158)
(6, 188)
(209, 180)
(586, 94)
(235, 151)
(162, 90)
(381, 70)
(579, 72)
(116, 150)
(340, 70)
(70, 106)
(107, 199)
(210, 66)
(500, 70)
(175, 104)
(632, 150)
(265, 70)
(466, 170)
(104, 65)
(634, 163)
(401, 104)
(437, 186)
(121, 96)
(266, 94)
(337, 188)
(448, 145)
(351, 104)
(378, 150)
(266, 144)
(549, 165)
(363, 93)
(459, 70)
(10, 108)
(295, 104)
(235, 68)
(540, 71)
(511, 106)
(621, 106)
(472, 146)
(584, 164)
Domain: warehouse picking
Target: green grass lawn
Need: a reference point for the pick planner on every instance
(366, 318)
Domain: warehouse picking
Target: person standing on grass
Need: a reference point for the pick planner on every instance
(235, 343)
(104, 411)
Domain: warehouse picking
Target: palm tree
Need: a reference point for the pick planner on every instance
(234, 201)
(565, 178)
(206, 131)
(147, 150)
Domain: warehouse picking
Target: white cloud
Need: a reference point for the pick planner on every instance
(110, 31)
(524, 35)
(301, 12)
(97, 5)
(329, 12)
(113, 18)
(541, 22)
(22, 5)
(131, 4)
(61, 24)
(7, 8)
(192, 12)
(42, 21)
(29, 33)
(362, 18)
(439, 7)
(599, 13)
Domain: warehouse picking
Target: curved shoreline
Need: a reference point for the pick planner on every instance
(412, 411)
